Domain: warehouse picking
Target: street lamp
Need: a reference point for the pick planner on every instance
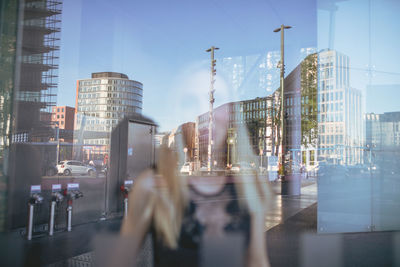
(282, 67)
(211, 95)
(229, 142)
(185, 151)
(58, 142)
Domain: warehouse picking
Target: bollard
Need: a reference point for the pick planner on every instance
(72, 192)
(30, 221)
(69, 211)
(56, 197)
(125, 188)
(51, 224)
(125, 207)
(36, 198)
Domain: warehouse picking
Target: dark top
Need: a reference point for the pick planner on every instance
(214, 216)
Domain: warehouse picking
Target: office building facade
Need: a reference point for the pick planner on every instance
(246, 128)
(339, 111)
(101, 102)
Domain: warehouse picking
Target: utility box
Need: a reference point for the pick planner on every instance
(132, 151)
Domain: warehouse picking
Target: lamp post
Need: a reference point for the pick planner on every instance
(58, 143)
(185, 151)
(282, 77)
(211, 95)
(229, 142)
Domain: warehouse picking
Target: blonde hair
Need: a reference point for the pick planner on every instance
(171, 200)
(172, 196)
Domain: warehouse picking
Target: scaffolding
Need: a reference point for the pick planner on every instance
(38, 67)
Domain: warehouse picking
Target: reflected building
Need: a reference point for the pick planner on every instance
(180, 138)
(254, 115)
(382, 130)
(339, 111)
(382, 141)
(255, 75)
(30, 37)
(63, 117)
(101, 102)
(37, 68)
(301, 113)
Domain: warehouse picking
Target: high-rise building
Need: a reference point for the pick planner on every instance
(339, 111)
(37, 65)
(29, 37)
(101, 102)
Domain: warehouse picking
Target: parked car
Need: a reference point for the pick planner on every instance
(185, 169)
(241, 167)
(69, 167)
(98, 165)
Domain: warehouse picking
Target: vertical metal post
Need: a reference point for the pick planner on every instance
(58, 144)
(51, 224)
(125, 207)
(283, 128)
(30, 221)
(227, 159)
(283, 100)
(211, 95)
(69, 220)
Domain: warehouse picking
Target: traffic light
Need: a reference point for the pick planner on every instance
(213, 64)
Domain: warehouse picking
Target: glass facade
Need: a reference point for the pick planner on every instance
(308, 110)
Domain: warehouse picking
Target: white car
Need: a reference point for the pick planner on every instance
(241, 167)
(69, 167)
(185, 168)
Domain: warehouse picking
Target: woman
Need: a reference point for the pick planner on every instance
(187, 214)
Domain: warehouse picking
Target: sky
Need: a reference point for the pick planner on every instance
(162, 44)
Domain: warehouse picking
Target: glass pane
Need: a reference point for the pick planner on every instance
(358, 189)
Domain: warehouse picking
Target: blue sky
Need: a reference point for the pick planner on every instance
(162, 44)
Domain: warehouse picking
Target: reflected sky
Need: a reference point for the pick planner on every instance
(368, 32)
(162, 44)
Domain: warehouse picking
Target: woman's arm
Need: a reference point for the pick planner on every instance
(136, 225)
(257, 251)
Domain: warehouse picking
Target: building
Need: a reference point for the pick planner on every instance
(242, 129)
(382, 130)
(63, 117)
(339, 111)
(301, 113)
(159, 138)
(30, 39)
(253, 75)
(322, 118)
(382, 141)
(180, 138)
(261, 119)
(101, 102)
(37, 65)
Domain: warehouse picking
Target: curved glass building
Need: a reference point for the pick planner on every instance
(101, 102)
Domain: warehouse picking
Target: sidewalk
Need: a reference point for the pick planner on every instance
(291, 236)
(287, 206)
